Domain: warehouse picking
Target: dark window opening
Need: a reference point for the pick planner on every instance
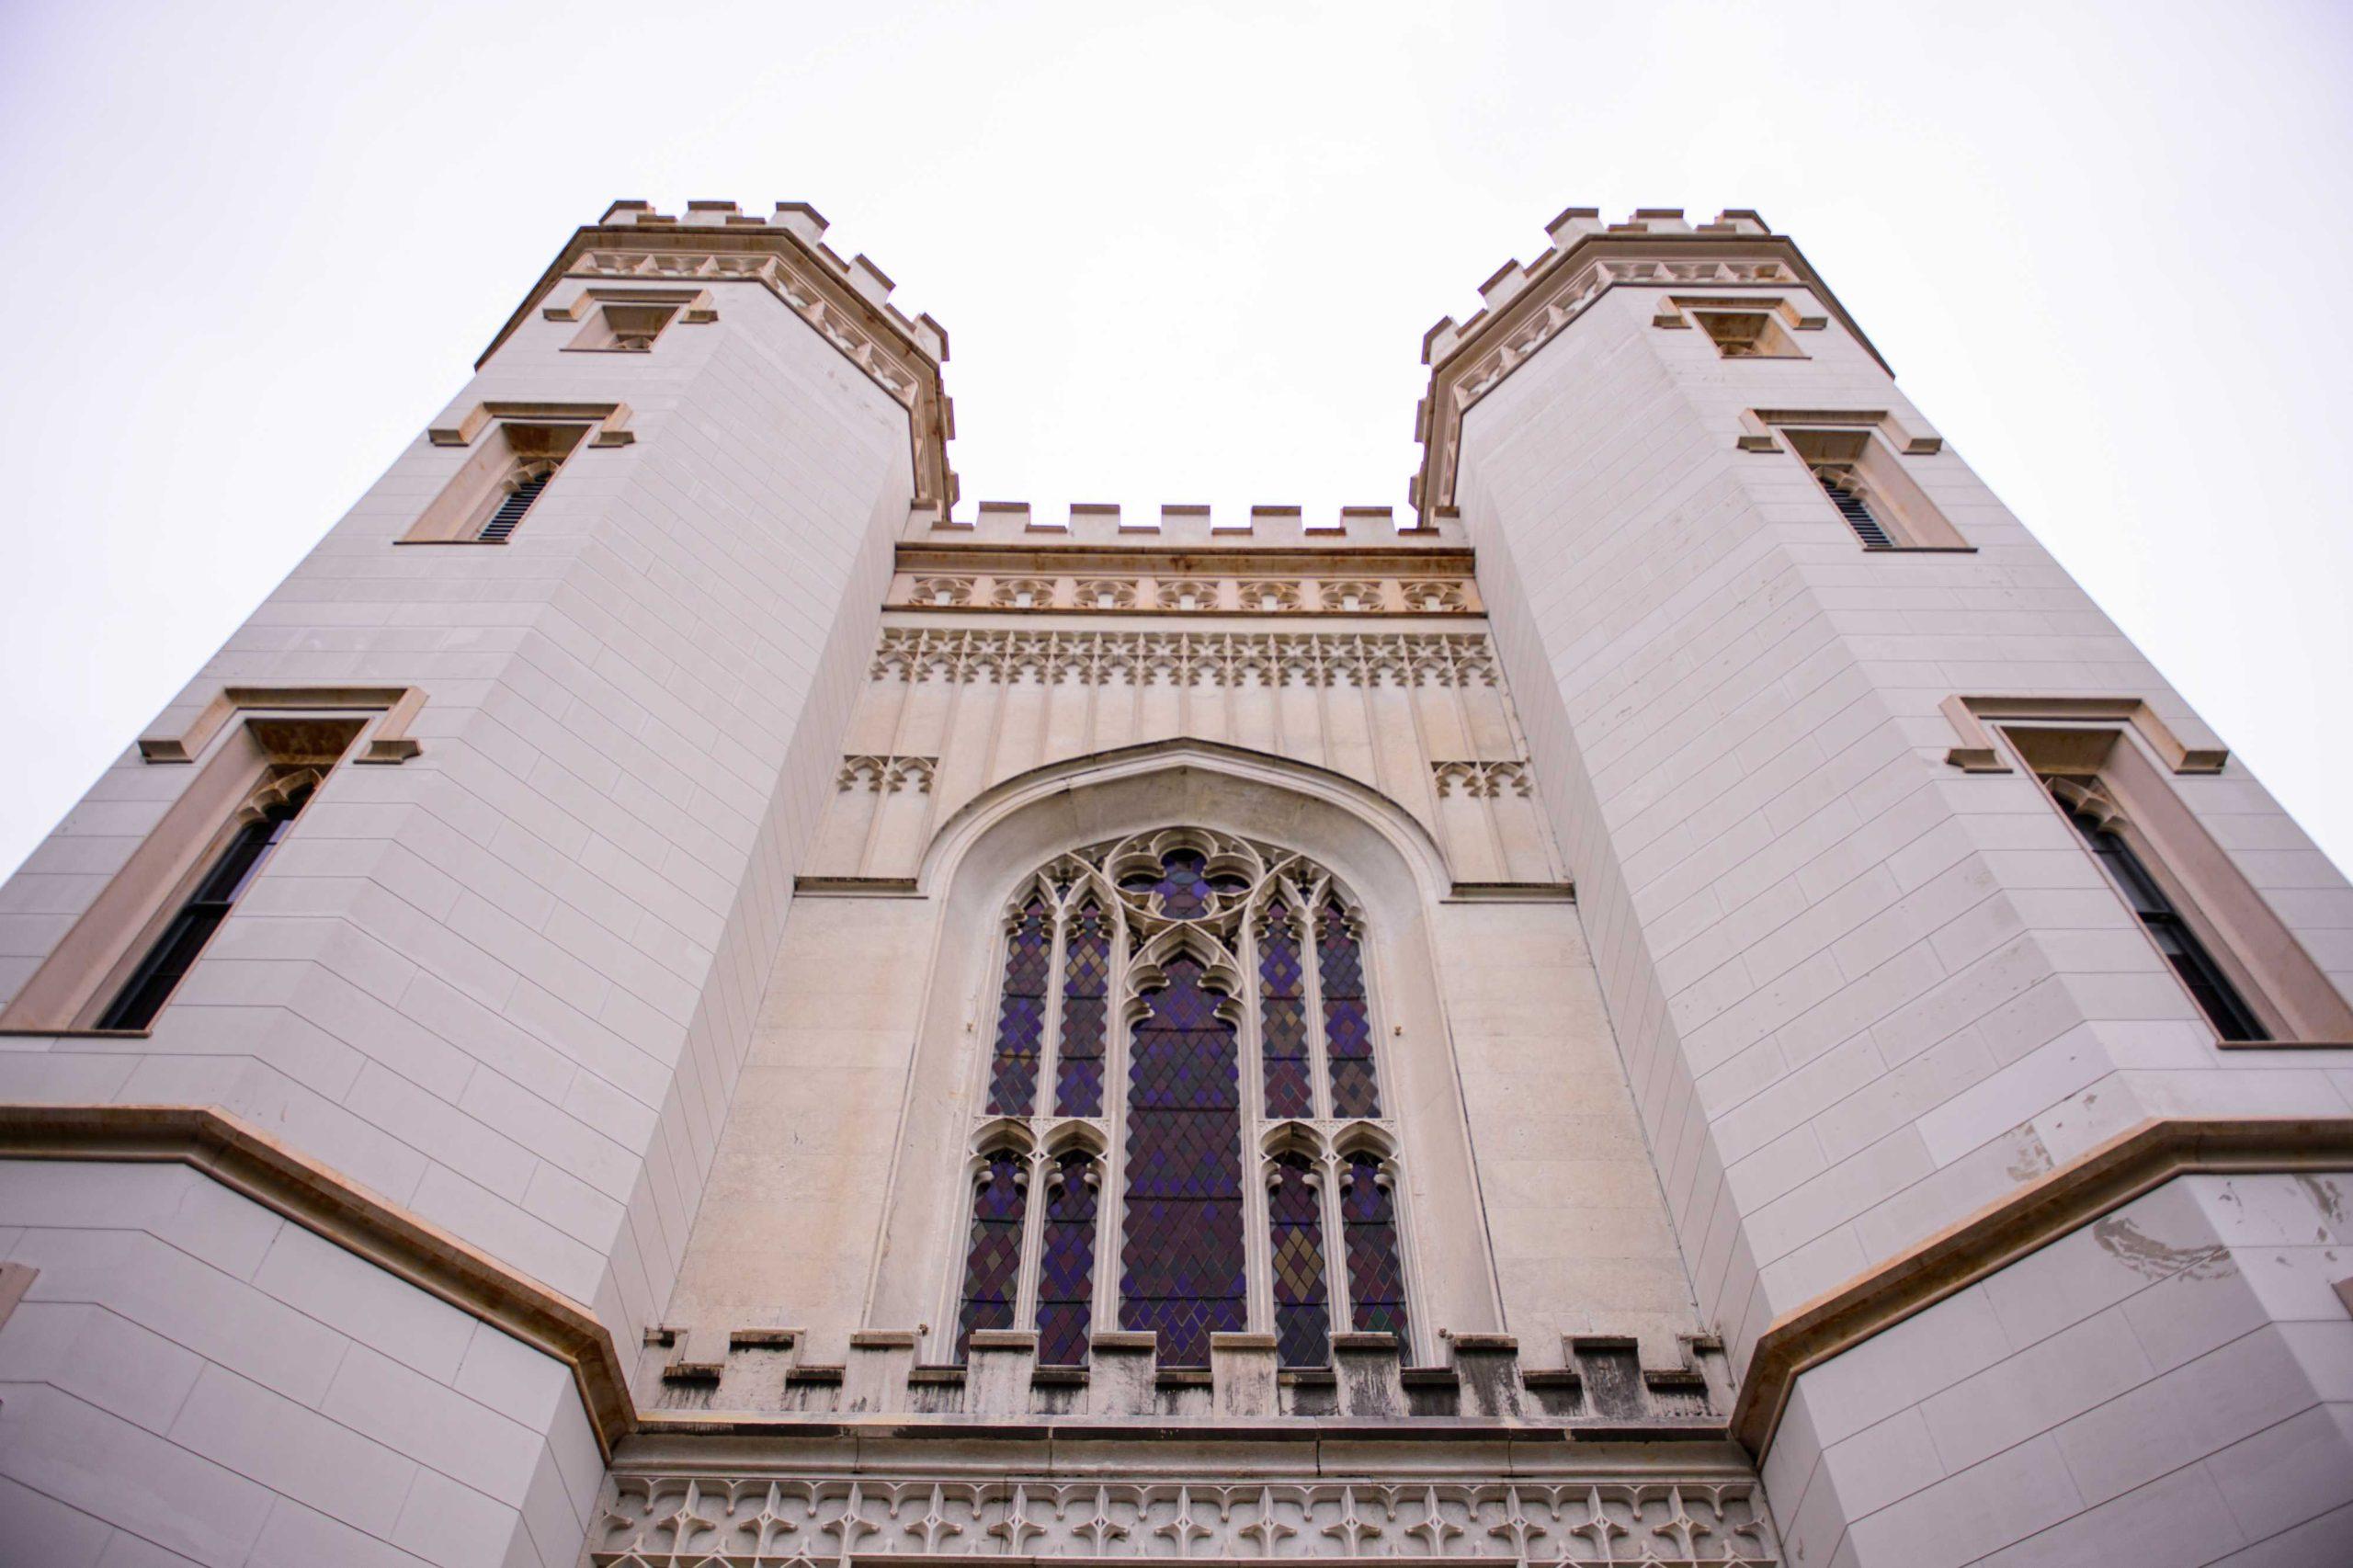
(1837, 481)
(517, 501)
(2200, 976)
(176, 951)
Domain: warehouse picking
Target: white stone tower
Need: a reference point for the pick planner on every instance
(668, 999)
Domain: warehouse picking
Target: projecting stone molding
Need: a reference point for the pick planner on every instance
(1572, 1516)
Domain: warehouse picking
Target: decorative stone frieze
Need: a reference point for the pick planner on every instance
(887, 775)
(657, 1518)
(1131, 592)
(1202, 658)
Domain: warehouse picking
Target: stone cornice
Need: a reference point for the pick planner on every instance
(2094, 1184)
(246, 1160)
(1523, 307)
(845, 302)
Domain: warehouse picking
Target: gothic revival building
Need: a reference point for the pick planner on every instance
(675, 997)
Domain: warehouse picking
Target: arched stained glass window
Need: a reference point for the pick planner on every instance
(1194, 1007)
(1021, 1011)
(1347, 1023)
(1066, 1262)
(1282, 1016)
(1302, 1290)
(993, 1257)
(1087, 984)
(1376, 1267)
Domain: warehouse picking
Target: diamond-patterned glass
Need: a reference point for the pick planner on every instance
(1066, 1266)
(1302, 1294)
(1181, 1260)
(1282, 1017)
(1376, 1271)
(1086, 981)
(993, 1261)
(1348, 1022)
(1021, 1014)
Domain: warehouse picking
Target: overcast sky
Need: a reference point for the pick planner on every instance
(1184, 255)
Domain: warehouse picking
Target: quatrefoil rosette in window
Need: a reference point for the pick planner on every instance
(1181, 1125)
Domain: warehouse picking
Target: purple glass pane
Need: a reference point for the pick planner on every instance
(1302, 1295)
(1066, 1266)
(993, 1261)
(1283, 1019)
(1348, 1024)
(1181, 1270)
(1086, 979)
(1021, 1015)
(1376, 1271)
(1184, 886)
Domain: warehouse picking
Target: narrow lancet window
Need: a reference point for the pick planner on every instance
(1282, 1017)
(528, 484)
(2212, 989)
(1087, 982)
(993, 1258)
(1302, 1299)
(1376, 1266)
(1066, 1264)
(1182, 1272)
(176, 951)
(1348, 1022)
(1021, 1014)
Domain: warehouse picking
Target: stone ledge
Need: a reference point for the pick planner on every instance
(2094, 1184)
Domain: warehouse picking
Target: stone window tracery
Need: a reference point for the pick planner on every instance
(1182, 1126)
(1187, 593)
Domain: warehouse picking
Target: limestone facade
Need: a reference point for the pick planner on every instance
(756, 1015)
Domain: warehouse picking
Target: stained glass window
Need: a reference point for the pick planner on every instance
(1267, 933)
(1021, 1012)
(1347, 1023)
(1302, 1293)
(1087, 982)
(1282, 1017)
(1181, 1267)
(1376, 1271)
(1066, 1264)
(993, 1260)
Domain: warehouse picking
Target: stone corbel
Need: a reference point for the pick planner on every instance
(389, 742)
(1979, 753)
(1757, 425)
(610, 419)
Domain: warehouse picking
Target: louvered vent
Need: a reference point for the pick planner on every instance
(510, 511)
(1852, 507)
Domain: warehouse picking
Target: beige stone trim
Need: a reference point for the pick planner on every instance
(1523, 307)
(246, 1160)
(457, 428)
(2094, 1184)
(389, 742)
(1675, 309)
(1978, 752)
(1757, 425)
(696, 305)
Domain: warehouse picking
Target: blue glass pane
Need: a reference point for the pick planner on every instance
(1066, 1266)
(1347, 1021)
(1181, 1268)
(993, 1258)
(1303, 1301)
(1021, 1015)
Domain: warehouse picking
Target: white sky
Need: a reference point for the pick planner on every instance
(1186, 256)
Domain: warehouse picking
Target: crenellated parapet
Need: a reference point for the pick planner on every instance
(847, 302)
(1523, 306)
(1604, 1388)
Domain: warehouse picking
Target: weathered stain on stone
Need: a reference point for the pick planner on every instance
(2144, 1255)
(2326, 1197)
(2029, 1157)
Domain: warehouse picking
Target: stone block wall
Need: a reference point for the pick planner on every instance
(190, 1378)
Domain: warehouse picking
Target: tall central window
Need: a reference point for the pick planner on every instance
(1182, 1128)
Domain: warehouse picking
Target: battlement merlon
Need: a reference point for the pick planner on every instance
(847, 303)
(1522, 307)
(1192, 529)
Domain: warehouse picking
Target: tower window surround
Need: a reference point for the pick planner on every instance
(2250, 980)
(1172, 1013)
(1866, 485)
(500, 484)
